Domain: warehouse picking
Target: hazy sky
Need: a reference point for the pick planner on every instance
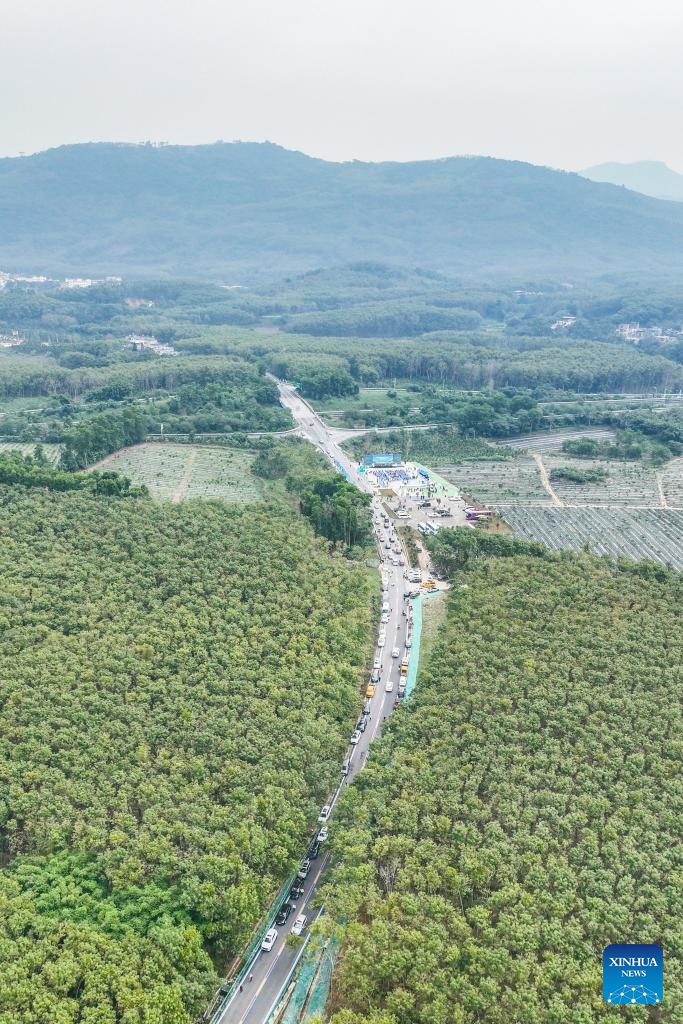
(561, 83)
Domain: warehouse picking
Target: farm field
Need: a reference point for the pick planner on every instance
(672, 482)
(223, 473)
(655, 534)
(52, 451)
(184, 471)
(159, 466)
(515, 481)
(553, 441)
(627, 483)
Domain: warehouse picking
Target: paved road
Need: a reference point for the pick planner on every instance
(314, 430)
(271, 971)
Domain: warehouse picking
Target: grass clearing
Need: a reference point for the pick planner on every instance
(223, 473)
(434, 610)
(10, 406)
(159, 467)
(367, 407)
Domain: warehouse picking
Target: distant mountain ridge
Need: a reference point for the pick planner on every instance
(243, 212)
(649, 177)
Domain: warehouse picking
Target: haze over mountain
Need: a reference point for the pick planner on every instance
(241, 212)
(650, 177)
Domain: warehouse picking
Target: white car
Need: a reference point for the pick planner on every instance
(395, 653)
(402, 514)
(385, 617)
(323, 834)
(299, 924)
(389, 685)
(269, 940)
(325, 814)
(378, 663)
(355, 737)
(381, 640)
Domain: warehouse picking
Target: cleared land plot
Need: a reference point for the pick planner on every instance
(672, 482)
(223, 473)
(214, 472)
(655, 534)
(553, 442)
(627, 483)
(52, 451)
(159, 466)
(516, 481)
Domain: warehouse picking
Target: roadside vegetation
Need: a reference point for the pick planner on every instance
(436, 446)
(337, 510)
(178, 683)
(520, 812)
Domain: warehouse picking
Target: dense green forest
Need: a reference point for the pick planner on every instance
(361, 299)
(35, 471)
(523, 808)
(93, 412)
(243, 212)
(336, 508)
(177, 688)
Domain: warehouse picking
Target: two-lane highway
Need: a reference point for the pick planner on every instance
(314, 430)
(268, 975)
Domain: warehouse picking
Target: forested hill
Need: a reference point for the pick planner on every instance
(238, 212)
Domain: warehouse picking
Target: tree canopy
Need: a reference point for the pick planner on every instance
(522, 810)
(178, 684)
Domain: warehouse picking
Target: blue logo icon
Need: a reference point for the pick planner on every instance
(633, 973)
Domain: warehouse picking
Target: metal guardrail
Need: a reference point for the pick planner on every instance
(227, 990)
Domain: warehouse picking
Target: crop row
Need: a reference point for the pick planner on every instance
(516, 480)
(654, 533)
(627, 483)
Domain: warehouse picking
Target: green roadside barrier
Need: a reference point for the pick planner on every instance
(322, 983)
(252, 949)
(313, 984)
(417, 637)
